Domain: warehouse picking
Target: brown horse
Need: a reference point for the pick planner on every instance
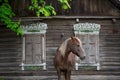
(65, 57)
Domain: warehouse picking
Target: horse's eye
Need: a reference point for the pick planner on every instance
(78, 45)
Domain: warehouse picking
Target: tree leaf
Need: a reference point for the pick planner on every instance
(64, 7)
(53, 12)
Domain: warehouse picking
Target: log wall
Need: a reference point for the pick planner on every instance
(11, 47)
(60, 27)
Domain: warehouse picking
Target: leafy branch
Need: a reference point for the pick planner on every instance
(6, 15)
(65, 4)
(40, 7)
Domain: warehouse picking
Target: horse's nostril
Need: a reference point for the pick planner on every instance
(82, 58)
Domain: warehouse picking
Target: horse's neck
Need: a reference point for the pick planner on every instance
(65, 49)
(67, 52)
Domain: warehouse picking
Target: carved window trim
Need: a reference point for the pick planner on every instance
(34, 29)
(88, 29)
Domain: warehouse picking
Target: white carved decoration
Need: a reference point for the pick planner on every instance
(34, 28)
(85, 28)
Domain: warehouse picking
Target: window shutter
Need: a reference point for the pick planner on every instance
(34, 45)
(89, 35)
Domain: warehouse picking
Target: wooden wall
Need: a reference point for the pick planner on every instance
(109, 39)
(11, 47)
(78, 8)
(10, 50)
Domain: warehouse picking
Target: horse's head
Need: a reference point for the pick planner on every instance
(75, 46)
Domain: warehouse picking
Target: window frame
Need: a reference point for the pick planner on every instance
(88, 29)
(41, 27)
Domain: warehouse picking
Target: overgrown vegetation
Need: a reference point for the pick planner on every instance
(65, 4)
(6, 15)
(40, 6)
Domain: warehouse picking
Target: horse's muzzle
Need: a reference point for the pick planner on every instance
(82, 58)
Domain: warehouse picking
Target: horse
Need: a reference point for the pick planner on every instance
(64, 59)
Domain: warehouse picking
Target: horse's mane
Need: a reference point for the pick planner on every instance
(63, 46)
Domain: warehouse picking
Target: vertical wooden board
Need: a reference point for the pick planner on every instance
(37, 49)
(92, 41)
(92, 49)
(28, 59)
(37, 38)
(28, 53)
(92, 53)
(38, 59)
(28, 49)
(92, 59)
(92, 44)
(92, 38)
(28, 38)
(37, 53)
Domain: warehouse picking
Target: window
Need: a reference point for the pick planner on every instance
(34, 45)
(89, 35)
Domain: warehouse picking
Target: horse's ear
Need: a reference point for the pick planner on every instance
(72, 38)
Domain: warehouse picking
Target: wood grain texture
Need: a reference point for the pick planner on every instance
(11, 47)
(78, 7)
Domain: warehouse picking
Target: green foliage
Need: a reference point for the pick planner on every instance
(33, 67)
(1, 78)
(6, 14)
(41, 8)
(65, 4)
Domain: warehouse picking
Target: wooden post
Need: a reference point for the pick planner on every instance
(23, 53)
(43, 52)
